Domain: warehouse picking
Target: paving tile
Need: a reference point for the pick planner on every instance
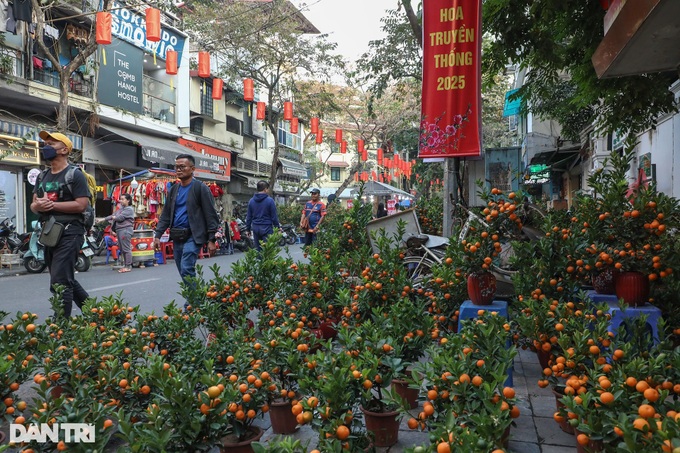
(543, 406)
(550, 433)
(523, 447)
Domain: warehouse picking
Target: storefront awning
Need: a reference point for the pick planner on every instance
(337, 163)
(640, 37)
(381, 189)
(154, 149)
(293, 168)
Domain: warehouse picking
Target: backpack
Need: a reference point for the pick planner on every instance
(88, 214)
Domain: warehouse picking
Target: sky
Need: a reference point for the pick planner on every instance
(350, 23)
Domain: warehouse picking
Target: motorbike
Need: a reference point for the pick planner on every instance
(34, 257)
(9, 239)
(289, 235)
(97, 236)
(245, 243)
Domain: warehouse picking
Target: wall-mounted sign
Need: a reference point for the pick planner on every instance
(120, 80)
(131, 27)
(13, 151)
(208, 157)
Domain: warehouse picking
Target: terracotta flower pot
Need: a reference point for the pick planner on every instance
(593, 446)
(231, 445)
(603, 283)
(282, 418)
(633, 288)
(481, 287)
(383, 425)
(406, 392)
(564, 425)
(543, 358)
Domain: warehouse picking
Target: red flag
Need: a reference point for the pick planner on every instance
(451, 98)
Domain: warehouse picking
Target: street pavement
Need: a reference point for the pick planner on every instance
(152, 288)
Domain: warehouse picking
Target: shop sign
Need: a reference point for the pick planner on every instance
(350, 204)
(646, 164)
(537, 174)
(213, 161)
(13, 151)
(120, 81)
(391, 206)
(131, 27)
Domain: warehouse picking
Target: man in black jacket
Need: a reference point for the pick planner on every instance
(190, 214)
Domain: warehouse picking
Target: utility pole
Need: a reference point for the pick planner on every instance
(451, 183)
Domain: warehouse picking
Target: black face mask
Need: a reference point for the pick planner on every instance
(48, 152)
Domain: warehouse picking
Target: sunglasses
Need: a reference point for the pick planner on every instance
(182, 167)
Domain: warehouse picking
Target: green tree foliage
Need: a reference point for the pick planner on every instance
(554, 41)
(269, 43)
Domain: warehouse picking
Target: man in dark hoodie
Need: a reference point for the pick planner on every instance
(262, 217)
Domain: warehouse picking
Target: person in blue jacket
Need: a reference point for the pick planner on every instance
(261, 217)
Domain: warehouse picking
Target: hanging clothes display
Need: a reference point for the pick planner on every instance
(23, 10)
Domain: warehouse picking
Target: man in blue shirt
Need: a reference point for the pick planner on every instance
(191, 216)
(312, 216)
(262, 217)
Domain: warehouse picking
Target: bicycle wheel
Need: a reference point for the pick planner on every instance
(418, 268)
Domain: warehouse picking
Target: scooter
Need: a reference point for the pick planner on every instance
(34, 258)
(245, 242)
(9, 238)
(289, 236)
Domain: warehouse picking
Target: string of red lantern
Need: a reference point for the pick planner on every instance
(171, 62)
(261, 110)
(287, 111)
(314, 125)
(153, 24)
(360, 146)
(203, 64)
(217, 89)
(248, 90)
(364, 155)
(103, 33)
(380, 156)
(294, 124)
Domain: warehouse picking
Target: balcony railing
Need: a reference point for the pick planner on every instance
(159, 100)
(77, 84)
(10, 62)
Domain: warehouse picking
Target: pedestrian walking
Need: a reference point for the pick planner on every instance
(61, 207)
(191, 216)
(382, 212)
(261, 217)
(312, 216)
(123, 223)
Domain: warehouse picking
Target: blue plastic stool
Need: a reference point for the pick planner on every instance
(159, 257)
(602, 298)
(468, 310)
(618, 316)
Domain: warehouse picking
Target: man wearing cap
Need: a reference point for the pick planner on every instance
(53, 198)
(312, 216)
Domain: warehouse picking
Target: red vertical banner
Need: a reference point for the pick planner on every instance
(451, 99)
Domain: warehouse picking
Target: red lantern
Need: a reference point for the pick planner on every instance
(343, 147)
(314, 127)
(218, 87)
(153, 24)
(360, 145)
(261, 110)
(319, 136)
(171, 62)
(338, 136)
(203, 64)
(287, 111)
(248, 90)
(294, 123)
(356, 177)
(364, 155)
(373, 175)
(103, 28)
(380, 156)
